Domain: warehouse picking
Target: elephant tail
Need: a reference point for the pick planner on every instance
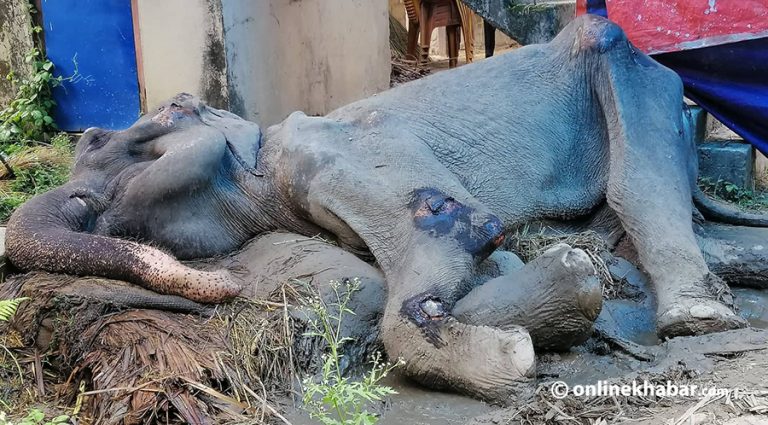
(719, 211)
(50, 232)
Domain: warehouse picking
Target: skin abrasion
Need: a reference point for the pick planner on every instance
(428, 313)
(441, 215)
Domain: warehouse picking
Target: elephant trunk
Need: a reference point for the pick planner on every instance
(50, 233)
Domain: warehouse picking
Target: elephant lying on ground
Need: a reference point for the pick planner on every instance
(427, 177)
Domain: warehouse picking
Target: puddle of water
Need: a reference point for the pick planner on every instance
(753, 306)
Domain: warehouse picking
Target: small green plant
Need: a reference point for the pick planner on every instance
(727, 191)
(8, 308)
(28, 116)
(334, 399)
(35, 417)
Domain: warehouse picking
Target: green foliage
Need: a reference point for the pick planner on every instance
(335, 399)
(35, 417)
(8, 308)
(727, 191)
(35, 170)
(28, 116)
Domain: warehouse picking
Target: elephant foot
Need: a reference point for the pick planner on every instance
(479, 361)
(706, 308)
(696, 317)
(499, 364)
(556, 297)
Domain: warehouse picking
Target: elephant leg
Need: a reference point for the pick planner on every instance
(556, 297)
(427, 275)
(650, 183)
(427, 234)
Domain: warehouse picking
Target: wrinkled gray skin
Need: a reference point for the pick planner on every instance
(427, 177)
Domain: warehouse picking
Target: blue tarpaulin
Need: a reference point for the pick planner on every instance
(730, 81)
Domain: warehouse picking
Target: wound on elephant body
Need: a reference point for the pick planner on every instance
(426, 310)
(442, 215)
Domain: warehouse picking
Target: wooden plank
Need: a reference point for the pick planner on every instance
(139, 57)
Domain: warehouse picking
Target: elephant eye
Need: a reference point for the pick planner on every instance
(97, 141)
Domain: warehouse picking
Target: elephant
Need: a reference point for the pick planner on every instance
(428, 178)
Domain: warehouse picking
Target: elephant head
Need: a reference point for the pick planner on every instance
(173, 178)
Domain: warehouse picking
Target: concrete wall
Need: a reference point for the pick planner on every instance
(309, 55)
(182, 49)
(15, 42)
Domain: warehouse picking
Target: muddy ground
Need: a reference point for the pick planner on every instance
(736, 361)
(233, 362)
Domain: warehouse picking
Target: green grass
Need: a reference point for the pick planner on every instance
(332, 398)
(750, 200)
(36, 170)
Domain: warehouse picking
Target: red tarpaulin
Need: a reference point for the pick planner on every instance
(659, 26)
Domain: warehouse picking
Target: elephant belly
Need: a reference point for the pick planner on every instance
(190, 232)
(559, 187)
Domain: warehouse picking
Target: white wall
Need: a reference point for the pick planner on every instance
(182, 50)
(309, 55)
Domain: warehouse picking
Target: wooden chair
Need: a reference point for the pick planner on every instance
(426, 15)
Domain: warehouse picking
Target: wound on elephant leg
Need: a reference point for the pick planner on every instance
(442, 215)
(427, 312)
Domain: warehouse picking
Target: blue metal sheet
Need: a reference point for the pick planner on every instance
(94, 37)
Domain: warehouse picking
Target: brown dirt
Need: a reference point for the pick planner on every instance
(239, 364)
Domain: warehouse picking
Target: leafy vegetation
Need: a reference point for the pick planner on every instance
(334, 399)
(8, 308)
(28, 117)
(8, 360)
(35, 417)
(34, 157)
(727, 191)
(32, 170)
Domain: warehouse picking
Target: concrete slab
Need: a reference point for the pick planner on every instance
(729, 160)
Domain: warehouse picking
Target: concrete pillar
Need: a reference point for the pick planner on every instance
(182, 50)
(312, 56)
(15, 43)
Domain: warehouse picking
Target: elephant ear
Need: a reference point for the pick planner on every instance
(243, 137)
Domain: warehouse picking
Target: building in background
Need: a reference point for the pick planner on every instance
(261, 59)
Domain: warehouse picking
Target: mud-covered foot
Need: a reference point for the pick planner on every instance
(556, 297)
(695, 316)
(502, 366)
(480, 361)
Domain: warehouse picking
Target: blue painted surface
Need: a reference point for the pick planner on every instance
(98, 35)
